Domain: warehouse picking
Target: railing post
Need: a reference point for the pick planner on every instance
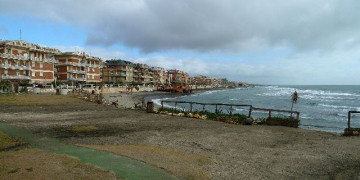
(297, 116)
(216, 111)
(349, 119)
(269, 114)
(175, 105)
(231, 110)
(203, 107)
(162, 105)
(191, 107)
(250, 110)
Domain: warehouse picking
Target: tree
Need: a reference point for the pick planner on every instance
(294, 98)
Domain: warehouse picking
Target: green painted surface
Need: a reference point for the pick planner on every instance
(122, 166)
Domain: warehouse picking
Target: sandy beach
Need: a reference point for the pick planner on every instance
(225, 151)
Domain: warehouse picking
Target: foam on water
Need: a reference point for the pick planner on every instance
(321, 107)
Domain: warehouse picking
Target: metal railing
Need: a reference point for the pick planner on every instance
(25, 58)
(349, 117)
(218, 105)
(15, 77)
(15, 67)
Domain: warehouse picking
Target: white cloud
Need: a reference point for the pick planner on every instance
(204, 25)
(323, 35)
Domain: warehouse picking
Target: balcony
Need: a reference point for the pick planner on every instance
(72, 64)
(25, 58)
(15, 67)
(77, 72)
(20, 77)
(77, 79)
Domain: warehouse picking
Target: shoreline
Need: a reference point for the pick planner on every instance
(237, 151)
(141, 98)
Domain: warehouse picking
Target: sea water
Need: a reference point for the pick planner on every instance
(321, 107)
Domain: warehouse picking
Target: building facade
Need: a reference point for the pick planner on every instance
(142, 74)
(180, 76)
(78, 67)
(159, 75)
(118, 71)
(26, 62)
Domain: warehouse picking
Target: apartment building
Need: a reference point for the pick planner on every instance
(23, 61)
(159, 75)
(142, 74)
(78, 67)
(176, 75)
(118, 71)
(204, 80)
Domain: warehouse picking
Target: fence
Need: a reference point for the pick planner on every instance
(217, 105)
(349, 116)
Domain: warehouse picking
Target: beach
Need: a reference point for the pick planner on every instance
(221, 151)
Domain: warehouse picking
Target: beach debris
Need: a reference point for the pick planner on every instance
(190, 115)
(196, 116)
(248, 121)
(203, 117)
(181, 114)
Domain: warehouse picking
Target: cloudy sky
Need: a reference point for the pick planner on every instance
(280, 42)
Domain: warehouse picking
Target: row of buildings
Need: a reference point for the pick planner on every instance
(34, 64)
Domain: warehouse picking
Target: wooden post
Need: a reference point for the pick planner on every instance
(349, 119)
(230, 110)
(250, 110)
(203, 107)
(162, 105)
(216, 111)
(297, 116)
(175, 105)
(269, 114)
(191, 107)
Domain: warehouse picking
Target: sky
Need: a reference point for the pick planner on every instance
(292, 42)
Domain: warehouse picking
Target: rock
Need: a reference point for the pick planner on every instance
(181, 114)
(248, 121)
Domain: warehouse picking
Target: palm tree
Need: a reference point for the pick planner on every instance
(294, 98)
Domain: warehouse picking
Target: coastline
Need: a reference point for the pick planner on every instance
(236, 151)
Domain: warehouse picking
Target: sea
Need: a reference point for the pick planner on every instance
(323, 108)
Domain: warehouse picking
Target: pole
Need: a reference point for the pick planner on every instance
(349, 118)
(250, 110)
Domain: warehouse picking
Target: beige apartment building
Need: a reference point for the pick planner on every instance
(159, 75)
(118, 71)
(142, 74)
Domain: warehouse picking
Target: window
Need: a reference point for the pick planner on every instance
(17, 73)
(32, 64)
(33, 74)
(41, 73)
(6, 72)
(41, 65)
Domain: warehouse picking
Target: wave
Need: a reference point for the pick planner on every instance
(346, 108)
(321, 95)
